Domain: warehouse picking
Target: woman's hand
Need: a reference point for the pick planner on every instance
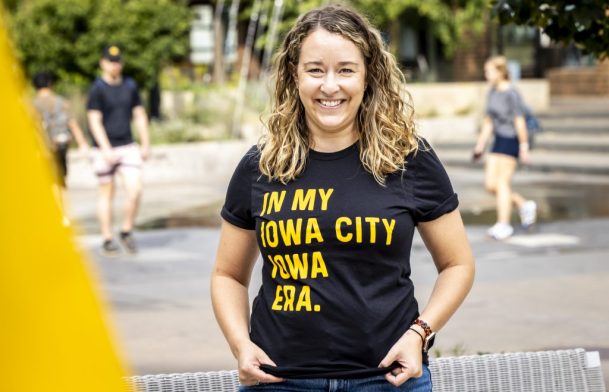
(250, 357)
(408, 352)
(524, 156)
(479, 149)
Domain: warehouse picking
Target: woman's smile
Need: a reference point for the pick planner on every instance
(330, 104)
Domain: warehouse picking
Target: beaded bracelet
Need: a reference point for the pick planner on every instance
(423, 325)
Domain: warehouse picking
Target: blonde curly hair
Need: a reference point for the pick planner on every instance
(385, 118)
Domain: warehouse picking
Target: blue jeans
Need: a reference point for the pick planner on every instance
(371, 384)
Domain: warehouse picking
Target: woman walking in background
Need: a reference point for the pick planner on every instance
(504, 120)
(331, 197)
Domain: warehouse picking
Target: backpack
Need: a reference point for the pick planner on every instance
(55, 122)
(533, 125)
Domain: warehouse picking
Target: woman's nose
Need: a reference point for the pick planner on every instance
(329, 85)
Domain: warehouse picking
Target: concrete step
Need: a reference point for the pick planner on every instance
(570, 125)
(575, 122)
(541, 161)
(578, 107)
(585, 114)
(550, 141)
(580, 115)
(572, 142)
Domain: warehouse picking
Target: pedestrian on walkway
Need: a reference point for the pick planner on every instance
(59, 124)
(331, 197)
(113, 102)
(505, 121)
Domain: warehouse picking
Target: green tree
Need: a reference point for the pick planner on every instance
(46, 32)
(67, 36)
(585, 23)
(453, 22)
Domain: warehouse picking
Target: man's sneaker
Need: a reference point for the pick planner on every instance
(109, 248)
(528, 214)
(128, 241)
(500, 231)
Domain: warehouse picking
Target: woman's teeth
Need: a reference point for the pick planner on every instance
(330, 104)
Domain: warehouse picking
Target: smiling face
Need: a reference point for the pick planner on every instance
(331, 79)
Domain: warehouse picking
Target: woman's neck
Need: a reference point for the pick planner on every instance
(502, 85)
(332, 142)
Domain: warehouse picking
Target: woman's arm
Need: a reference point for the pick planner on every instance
(485, 134)
(447, 242)
(523, 138)
(235, 260)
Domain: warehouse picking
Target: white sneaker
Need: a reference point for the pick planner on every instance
(500, 231)
(528, 213)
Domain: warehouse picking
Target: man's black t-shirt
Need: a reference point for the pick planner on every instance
(336, 292)
(116, 102)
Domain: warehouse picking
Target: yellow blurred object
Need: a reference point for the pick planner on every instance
(53, 335)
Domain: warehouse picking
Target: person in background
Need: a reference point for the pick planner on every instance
(505, 121)
(58, 123)
(112, 104)
(331, 197)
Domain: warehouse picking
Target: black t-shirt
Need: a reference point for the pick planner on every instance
(116, 102)
(336, 292)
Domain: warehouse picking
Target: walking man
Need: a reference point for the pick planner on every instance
(113, 102)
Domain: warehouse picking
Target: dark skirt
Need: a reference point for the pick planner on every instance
(506, 145)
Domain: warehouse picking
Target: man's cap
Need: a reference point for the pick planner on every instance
(112, 53)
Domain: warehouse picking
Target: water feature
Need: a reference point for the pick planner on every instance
(556, 202)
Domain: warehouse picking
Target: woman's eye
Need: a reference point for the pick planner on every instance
(315, 70)
(347, 70)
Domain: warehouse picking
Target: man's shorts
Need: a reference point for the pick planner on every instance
(129, 161)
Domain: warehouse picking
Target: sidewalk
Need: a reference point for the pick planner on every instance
(540, 291)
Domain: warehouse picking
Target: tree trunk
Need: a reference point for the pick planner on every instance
(218, 75)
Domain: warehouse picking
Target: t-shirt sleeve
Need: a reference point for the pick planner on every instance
(237, 208)
(136, 100)
(516, 104)
(94, 101)
(487, 108)
(432, 192)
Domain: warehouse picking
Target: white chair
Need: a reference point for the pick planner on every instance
(545, 371)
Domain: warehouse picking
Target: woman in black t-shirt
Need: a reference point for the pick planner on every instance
(330, 198)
